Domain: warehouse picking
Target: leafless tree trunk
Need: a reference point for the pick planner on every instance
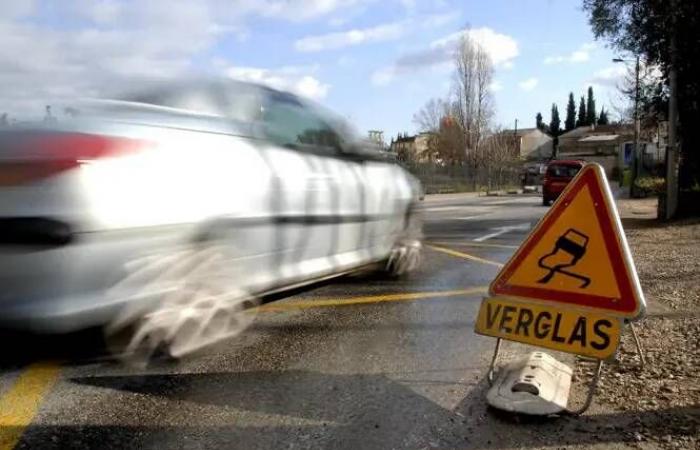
(472, 99)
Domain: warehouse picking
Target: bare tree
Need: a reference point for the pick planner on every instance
(429, 116)
(472, 99)
(500, 156)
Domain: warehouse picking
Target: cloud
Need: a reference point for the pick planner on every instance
(529, 84)
(440, 53)
(331, 41)
(501, 48)
(90, 48)
(580, 55)
(289, 10)
(496, 86)
(380, 33)
(610, 76)
(289, 78)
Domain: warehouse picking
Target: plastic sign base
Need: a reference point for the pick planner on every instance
(536, 385)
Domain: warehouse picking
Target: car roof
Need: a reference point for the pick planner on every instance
(567, 162)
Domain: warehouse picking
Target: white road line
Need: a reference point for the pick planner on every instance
(499, 202)
(503, 230)
(467, 217)
(442, 208)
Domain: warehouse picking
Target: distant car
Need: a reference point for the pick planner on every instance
(133, 192)
(557, 176)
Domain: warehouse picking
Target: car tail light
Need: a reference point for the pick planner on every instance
(39, 156)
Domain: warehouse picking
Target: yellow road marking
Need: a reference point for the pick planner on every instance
(21, 402)
(474, 244)
(326, 302)
(451, 252)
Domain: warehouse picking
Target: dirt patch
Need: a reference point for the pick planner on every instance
(655, 407)
(663, 399)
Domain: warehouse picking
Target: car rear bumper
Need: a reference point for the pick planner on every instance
(65, 288)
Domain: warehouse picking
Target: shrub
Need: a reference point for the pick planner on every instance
(651, 185)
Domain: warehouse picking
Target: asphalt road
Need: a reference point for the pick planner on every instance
(362, 362)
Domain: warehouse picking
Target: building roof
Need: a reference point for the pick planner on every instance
(596, 130)
(405, 139)
(522, 131)
(600, 138)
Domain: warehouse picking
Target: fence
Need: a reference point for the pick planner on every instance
(438, 178)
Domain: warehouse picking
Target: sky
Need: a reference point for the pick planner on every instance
(376, 62)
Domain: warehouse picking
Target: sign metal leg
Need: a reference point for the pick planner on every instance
(492, 367)
(638, 344)
(591, 392)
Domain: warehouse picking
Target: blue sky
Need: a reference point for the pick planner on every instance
(375, 62)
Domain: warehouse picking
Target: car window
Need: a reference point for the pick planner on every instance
(291, 124)
(196, 100)
(562, 171)
(236, 101)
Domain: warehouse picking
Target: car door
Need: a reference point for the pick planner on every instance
(318, 193)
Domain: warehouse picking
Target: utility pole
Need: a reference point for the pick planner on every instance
(635, 164)
(515, 139)
(635, 151)
(672, 146)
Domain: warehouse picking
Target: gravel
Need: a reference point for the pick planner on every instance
(658, 405)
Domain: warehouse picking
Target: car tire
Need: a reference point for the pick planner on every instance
(545, 201)
(405, 256)
(188, 301)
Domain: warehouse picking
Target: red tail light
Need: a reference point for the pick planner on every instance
(39, 156)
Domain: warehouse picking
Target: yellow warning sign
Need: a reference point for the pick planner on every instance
(567, 330)
(577, 254)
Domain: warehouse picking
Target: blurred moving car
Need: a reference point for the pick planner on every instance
(557, 175)
(280, 187)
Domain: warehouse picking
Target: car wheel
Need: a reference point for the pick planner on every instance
(405, 256)
(545, 201)
(177, 303)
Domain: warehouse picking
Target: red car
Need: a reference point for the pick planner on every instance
(557, 176)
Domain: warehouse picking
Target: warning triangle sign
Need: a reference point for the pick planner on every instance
(577, 254)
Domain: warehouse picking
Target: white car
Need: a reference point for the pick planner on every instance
(103, 203)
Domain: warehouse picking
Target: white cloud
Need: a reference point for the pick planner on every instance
(289, 10)
(11, 10)
(380, 33)
(501, 48)
(496, 86)
(331, 41)
(610, 76)
(580, 55)
(439, 55)
(289, 78)
(529, 84)
(104, 46)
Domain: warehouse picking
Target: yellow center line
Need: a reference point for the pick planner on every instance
(21, 402)
(327, 302)
(451, 252)
(474, 244)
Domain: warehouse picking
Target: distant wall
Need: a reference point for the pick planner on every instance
(536, 146)
(607, 161)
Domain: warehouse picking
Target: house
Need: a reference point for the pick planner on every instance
(607, 145)
(411, 148)
(531, 144)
